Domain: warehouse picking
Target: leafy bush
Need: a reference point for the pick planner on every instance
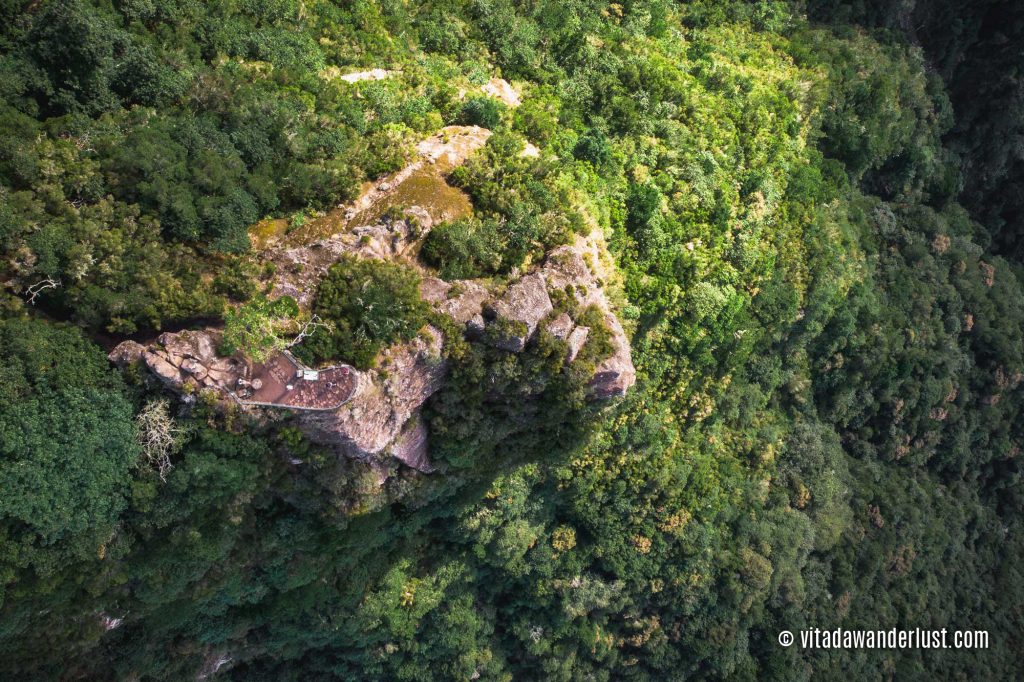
(470, 247)
(369, 305)
(481, 111)
(463, 249)
(593, 147)
(257, 327)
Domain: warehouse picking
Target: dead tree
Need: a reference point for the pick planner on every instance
(39, 287)
(158, 436)
(314, 323)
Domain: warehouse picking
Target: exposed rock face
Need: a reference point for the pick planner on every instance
(503, 90)
(462, 300)
(452, 146)
(576, 339)
(127, 353)
(566, 268)
(371, 75)
(300, 269)
(187, 357)
(526, 302)
(561, 327)
(381, 419)
(410, 447)
(616, 374)
(387, 398)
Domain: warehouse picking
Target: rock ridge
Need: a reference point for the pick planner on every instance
(380, 418)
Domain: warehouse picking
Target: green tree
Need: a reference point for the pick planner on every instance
(481, 111)
(368, 305)
(67, 445)
(259, 327)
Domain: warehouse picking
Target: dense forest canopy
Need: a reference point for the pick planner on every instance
(815, 211)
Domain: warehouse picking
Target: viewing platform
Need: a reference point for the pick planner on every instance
(282, 381)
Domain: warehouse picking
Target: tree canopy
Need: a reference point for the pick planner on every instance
(811, 216)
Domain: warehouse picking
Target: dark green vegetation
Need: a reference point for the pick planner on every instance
(137, 136)
(366, 305)
(67, 444)
(825, 432)
(975, 48)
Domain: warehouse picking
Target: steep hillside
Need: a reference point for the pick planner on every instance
(472, 339)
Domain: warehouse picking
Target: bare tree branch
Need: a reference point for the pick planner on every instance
(314, 323)
(158, 435)
(39, 287)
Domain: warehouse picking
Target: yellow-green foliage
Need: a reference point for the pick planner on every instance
(826, 427)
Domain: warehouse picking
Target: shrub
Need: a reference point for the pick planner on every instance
(463, 249)
(257, 328)
(481, 111)
(593, 147)
(369, 305)
(470, 248)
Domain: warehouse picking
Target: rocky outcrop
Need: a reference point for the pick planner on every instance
(381, 413)
(299, 270)
(380, 423)
(385, 401)
(566, 268)
(577, 337)
(527, 302)
(450, 147)
(501, 89)
(371, 75)
(184, 361)
(410, 448)
(461, 300)
(524, 304)
(616, 374)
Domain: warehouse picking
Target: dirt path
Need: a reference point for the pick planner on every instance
(421, 183)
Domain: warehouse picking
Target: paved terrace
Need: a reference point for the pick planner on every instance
(282, 382)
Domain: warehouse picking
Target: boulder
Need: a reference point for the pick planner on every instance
(566, 269)
(465, 300)
(188, 344)
(526, 302)
(161, 366)
(434, 290)
(475, 326)
(615, 375)
(195, 368)
(560, 327)
(127, 353)
(501, 89)
(576, 339)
